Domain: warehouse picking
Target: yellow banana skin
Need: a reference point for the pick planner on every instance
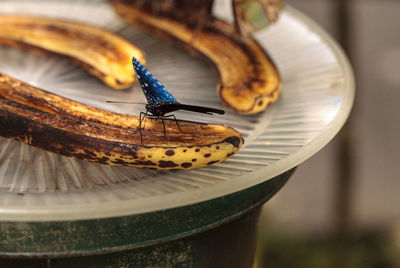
(248, 79)
(102, 53)
(66, 127)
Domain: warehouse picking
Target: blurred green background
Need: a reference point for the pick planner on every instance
(341, 208)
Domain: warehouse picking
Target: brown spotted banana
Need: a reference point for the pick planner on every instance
(248, 79)
(102, 53)
(69, 128)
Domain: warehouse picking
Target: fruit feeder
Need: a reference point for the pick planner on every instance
(286, 90)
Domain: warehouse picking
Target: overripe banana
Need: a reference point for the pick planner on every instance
(102, 53)
(248, 79)
(66, 127)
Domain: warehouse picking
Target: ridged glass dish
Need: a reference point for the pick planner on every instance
(316, 99)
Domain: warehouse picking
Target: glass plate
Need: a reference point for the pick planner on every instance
(317, 95)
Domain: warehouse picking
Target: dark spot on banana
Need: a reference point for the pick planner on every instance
(89, 153)
(146, 163)
(197, 150)
(165, 164)
(229, 154)
(260, 103)
(170, 152)
(212, 162)
(207, 155)
(184, 151)
(119, 162)
(66, 150)
(235, 141)
(217, 147)
(194, 160)
(103, 160)
(81, 155)
(186, 165)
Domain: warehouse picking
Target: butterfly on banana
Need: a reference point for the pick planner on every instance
(160, 101)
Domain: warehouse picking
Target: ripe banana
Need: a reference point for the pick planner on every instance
(66, 127)
(102, 53)
(248, 79)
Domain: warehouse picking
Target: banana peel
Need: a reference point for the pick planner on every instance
(248, 79)
(57, 124)
(102, 53)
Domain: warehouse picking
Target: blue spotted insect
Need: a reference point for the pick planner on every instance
(160, 101)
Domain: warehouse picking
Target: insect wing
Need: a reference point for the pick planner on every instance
(153, 90)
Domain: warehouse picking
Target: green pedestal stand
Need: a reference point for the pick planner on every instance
(216, 233)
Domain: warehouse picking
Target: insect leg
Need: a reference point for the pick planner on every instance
(140, 125)
(141, 118)
(176, 121)
(162, 120)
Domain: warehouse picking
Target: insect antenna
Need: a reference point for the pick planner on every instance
(125, 102)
